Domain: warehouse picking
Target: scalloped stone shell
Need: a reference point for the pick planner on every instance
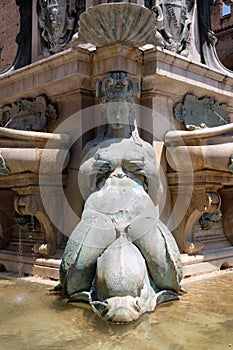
(118, 22)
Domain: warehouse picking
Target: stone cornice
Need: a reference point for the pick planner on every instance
(66, 71)
(76, 69)
(166, 72)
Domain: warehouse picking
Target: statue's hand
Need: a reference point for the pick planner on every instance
(102, 165)
(136, 166)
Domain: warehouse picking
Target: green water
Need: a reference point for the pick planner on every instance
(33, 318)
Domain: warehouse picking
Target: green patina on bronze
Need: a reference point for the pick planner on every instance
(120, 257)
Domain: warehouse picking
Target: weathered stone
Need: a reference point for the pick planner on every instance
(58, 22)
(112, 23)
(207, 220)
(28, 114)
(198, 113)
(175, 27)
(200, 149)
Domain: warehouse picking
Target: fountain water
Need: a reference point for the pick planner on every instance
(201, 319)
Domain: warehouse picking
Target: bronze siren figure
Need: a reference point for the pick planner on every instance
(120, 258)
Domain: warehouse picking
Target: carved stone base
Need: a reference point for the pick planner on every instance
(207, 262)
(30, 265)
(203, 252)
(25, 201)
(202, 188)
(28, 202)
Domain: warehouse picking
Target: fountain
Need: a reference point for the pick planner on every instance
(125, 253)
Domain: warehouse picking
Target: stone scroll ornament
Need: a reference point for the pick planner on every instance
(58, 22)
(120, 258)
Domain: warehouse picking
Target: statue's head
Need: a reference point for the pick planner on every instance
(122, 309)
(118, 106)
(117, 114)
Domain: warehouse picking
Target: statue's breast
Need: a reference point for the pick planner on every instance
(119, 195)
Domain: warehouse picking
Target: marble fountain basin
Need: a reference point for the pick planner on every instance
(31, 151)
(208, 148)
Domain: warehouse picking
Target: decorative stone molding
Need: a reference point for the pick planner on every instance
(204, 199)
(28, 114)
(108, 58)
(198, 150)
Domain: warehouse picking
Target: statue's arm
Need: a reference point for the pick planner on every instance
(90, 170)
(86, 177)
(153, 177)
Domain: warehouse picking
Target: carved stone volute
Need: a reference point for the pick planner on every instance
(32, 205)
(201, 202)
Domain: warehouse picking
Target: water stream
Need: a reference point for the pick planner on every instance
(33, 318)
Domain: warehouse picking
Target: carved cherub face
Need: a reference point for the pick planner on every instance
(117, 114)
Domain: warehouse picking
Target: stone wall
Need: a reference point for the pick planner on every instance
(225, 48)
(223, 27)
(9, 28)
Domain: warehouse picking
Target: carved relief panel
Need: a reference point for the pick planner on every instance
(57, 21)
